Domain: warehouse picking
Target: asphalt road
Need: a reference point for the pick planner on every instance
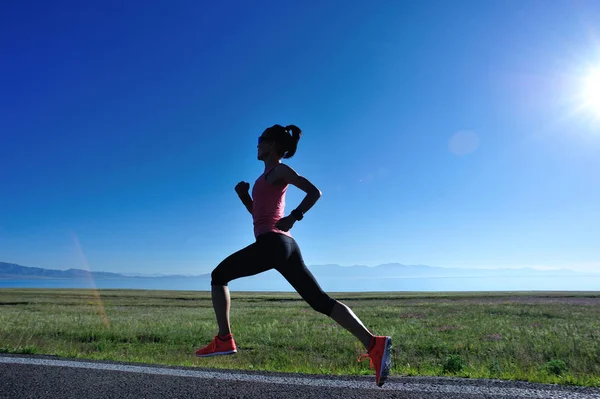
(47, 377)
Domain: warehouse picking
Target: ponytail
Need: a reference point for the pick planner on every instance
(292, 141)
(286, 137)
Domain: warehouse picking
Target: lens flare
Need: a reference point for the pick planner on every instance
(95, 292)
(591, 92)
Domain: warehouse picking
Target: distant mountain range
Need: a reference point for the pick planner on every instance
(331, 278)
(391, 270)
(14, 271)
(11, 270)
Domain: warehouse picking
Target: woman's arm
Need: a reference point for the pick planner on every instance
(242, 191)
(288, 175)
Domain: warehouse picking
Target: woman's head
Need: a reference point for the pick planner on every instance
(279, 141)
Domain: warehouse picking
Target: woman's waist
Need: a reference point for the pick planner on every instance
(274, 235)
(267, 218)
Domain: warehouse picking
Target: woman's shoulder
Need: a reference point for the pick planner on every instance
(275, 174)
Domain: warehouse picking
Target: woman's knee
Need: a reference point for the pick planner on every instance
(217, 277)
(324, 304)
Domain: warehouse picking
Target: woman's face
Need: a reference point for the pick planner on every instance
(263, 147)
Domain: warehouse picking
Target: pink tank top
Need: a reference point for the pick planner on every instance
(268, 206)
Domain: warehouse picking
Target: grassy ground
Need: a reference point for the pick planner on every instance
(538, 337)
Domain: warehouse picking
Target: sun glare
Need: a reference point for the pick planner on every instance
(591, 92)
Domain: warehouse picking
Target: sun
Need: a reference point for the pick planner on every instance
(590, 92)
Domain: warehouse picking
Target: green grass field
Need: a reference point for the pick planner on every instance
(537, 337)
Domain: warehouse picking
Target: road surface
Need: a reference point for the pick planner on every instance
(48, 377)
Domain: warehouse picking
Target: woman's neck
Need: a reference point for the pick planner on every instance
(271, 162)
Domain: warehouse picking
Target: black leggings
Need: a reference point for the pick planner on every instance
(280, 252)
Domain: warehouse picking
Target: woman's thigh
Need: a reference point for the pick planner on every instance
(256, 258)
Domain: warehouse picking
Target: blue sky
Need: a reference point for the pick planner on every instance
(443, 133)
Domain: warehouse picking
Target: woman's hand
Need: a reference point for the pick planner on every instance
(242, 188)
(285, 223)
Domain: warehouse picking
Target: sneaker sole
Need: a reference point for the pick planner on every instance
(386, 361)
(217, 353)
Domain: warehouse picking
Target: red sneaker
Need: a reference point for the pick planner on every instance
(218, 347)
(380, 356)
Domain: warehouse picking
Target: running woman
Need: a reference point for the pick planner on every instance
(276, 248)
